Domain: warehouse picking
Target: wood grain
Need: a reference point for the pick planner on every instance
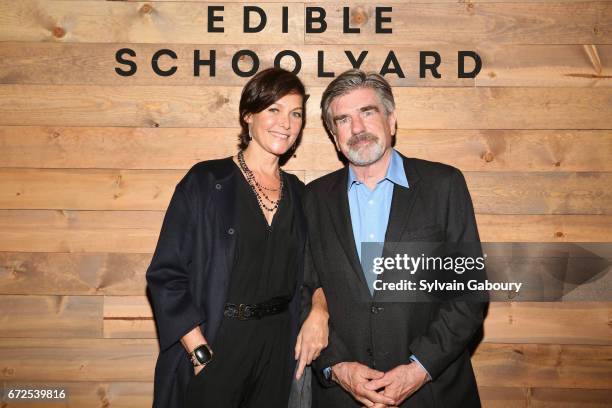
(137, 231)
(84, 63)
(116, 394)
(475, 23)
(417, 108)
(185, 22)
(508, 397)
(521, 322)
(513, 365)
(549, 323)
(128, 317)
(29, 359)
(543, 228)
(80, 231)
(503, 65)
(51, 316)
(492, 193)
(535, 365)
(140, 22)
(569, 398)
(40, 273)
(180, 148)
(549, 65)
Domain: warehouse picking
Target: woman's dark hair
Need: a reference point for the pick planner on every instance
(265, 88)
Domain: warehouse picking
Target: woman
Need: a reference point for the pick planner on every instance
(225, 278)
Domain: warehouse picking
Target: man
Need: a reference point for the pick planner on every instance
(380, 353)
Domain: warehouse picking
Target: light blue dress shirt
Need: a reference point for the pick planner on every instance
(370, 208)
(370, 211)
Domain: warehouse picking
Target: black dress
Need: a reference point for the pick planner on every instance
(249, 366)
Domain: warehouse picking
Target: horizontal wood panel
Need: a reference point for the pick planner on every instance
(518, 23)
(513, 365)
(554, 65)
(377, 2)
(83, 359)
(556, 193)
(535, 365)
(51, 316)
(83, 189)
(80, 231)
(493, 193)
(503, 397)
(137, 231)
(140, 22)
(417, 108)
(129, 329)
(116, 274)
(185, 22)
(113, 394)
(508, 397)
(73, 274)
(544, 228)
(568, 398)
(557, 323)
(180, 148)
(81, 64)
(520, 322)
(127, 307)
(503, 65)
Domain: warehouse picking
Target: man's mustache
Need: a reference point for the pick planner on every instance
(361, 137)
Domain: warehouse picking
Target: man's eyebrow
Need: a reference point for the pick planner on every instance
(369, 107)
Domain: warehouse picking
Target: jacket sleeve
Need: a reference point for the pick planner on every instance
(456, 322)
(168, 275)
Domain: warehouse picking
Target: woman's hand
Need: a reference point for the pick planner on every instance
(313, 334)
(198, 369)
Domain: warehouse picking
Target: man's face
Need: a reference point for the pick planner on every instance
(363, 130)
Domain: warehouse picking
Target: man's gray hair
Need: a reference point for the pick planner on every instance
(349, 81)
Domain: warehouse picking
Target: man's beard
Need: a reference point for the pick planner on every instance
(366, 154)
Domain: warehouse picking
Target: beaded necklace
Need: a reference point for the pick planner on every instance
(258, 189)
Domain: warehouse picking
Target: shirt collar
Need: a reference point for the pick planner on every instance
(395, 172)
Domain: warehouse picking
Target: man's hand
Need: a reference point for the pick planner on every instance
(400, 382)
(353, 377)
(312, 339)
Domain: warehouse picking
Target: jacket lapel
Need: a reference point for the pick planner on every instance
(340, 215)
(402, 204)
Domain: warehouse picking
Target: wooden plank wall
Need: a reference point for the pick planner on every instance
(88, 161)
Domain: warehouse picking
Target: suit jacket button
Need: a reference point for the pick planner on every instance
(230, 231)
(218, 186)
(374, 310)
(369, 351)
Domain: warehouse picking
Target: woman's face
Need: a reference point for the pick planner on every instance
(276, 128)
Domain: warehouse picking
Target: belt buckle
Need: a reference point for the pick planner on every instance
(241, 311)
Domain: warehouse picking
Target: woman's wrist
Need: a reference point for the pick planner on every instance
(319, 313)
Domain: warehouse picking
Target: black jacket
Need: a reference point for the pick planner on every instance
(189, 275)
(436, 207)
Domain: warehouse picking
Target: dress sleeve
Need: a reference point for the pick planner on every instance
(168, 276)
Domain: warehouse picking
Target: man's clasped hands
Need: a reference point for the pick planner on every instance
(376, 389)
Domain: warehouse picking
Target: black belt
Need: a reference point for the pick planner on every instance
(254, 311)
